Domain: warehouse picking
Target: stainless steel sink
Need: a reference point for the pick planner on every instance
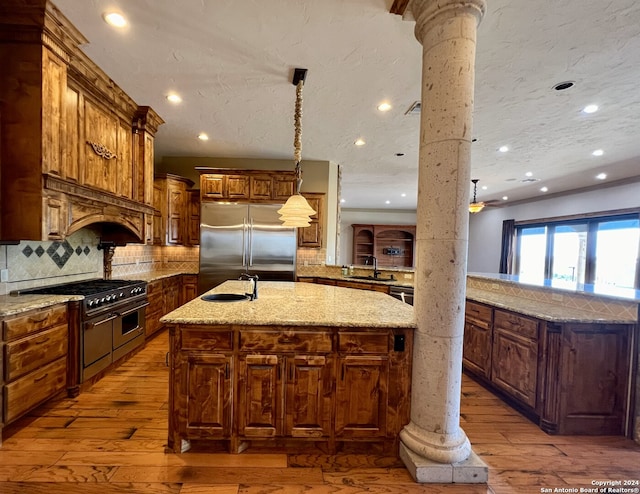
(225, 297)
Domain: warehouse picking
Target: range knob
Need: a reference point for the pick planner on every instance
(121, 295)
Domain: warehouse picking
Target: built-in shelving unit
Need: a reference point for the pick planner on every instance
(392, 245)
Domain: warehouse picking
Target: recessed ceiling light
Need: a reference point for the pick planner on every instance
(598, 152)
(601, 176)
(504, 198)
(343, 201)
(590, 109)
(387, 202)
(484, 187)
(174, 98)
(384, 106)
(503, 149)
(544, 189)
(114, 19)
(403, 195)
(203, 137)
(360, 142)
(529, 174)
(561, 86)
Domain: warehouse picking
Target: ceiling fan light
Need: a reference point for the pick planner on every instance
(476, 207)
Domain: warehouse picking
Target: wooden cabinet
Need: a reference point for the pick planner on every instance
(189, 288)
(193, 217)
(245, 185)
(75, 157)
(309, 384)
(35, 359)
(478, 333)
(550, 370)
(165, 295)
(392, 245)
(173, 203)
(514, 360)
(155, 309)
(311, 236)
(172, 287)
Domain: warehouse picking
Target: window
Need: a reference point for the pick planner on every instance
(601, 251)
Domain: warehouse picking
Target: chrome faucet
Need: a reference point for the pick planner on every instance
(253, 278)
(376, 273)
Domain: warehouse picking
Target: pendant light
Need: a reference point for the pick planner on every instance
(296, 211)
(475, 206)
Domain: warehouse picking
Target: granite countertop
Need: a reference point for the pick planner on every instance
(297, 304)
(155, 275)
(542, 310)
(12, 304)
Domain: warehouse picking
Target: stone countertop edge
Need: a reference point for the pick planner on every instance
(158, 274)
(296, 304)
(543, 310)
(15, 304)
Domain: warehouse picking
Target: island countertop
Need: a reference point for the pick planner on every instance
(297, 304)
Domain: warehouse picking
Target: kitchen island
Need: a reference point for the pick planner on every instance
(302, 365)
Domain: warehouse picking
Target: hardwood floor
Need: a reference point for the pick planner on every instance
(111, 439)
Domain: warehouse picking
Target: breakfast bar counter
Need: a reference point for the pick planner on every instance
(301, 366)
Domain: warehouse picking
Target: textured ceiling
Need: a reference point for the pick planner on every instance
(232, 61)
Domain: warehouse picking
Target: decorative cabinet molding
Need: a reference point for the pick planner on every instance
(549, 370)
(72, 124)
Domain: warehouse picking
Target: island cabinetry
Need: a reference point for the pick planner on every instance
(288, 385)
(35, 359)
(478, 326)
(586, 386)
(285, 383)
(514, 361)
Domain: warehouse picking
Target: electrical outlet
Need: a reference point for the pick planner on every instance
(4, 275)
(408, 276)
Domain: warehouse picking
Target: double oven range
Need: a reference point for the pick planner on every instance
(112, 320)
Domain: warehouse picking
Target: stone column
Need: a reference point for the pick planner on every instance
(433, 446)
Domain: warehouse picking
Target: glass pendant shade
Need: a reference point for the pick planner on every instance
(296, 212)
(476, 207)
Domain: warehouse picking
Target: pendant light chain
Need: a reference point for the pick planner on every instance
(297, 138)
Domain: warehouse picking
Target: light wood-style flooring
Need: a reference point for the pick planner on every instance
(110, 440)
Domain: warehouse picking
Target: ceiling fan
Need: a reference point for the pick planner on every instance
(476, 206)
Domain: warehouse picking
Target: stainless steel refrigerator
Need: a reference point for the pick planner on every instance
(244, 238)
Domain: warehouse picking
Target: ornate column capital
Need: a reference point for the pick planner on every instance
(426, 11)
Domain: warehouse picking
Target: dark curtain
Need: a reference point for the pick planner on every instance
(508, 241)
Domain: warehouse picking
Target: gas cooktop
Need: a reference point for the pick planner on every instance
(85, 287)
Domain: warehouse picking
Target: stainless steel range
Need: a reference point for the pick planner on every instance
(112, 319)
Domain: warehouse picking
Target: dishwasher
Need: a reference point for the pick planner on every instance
(404, 293)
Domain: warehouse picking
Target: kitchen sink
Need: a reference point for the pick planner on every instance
(225, 297)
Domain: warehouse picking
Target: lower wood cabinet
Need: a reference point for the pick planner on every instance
(276, 385)
(35, 359)
(165, 295)
(571, 378)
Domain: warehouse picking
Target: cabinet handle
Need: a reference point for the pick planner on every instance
(278, 372)
(342, 373)
(166, 360)
(40, 378)
(42, 341)
(291, 372)
(226, 370)
(34, 320)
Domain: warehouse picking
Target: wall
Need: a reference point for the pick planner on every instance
(350, 217)
(318, 176)
(485, 228)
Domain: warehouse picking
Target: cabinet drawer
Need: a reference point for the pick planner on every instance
(356, 342)
(34, 321)
(33, 352)
(479, 314)
(34, 388)
(207, 340)
(285, 341)
(516, 324)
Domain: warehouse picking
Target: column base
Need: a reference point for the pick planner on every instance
(470, 471)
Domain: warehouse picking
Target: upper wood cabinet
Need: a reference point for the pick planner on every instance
(392, 245)
(245, 185)
(173, 203)
(81, 150)
(311, 236)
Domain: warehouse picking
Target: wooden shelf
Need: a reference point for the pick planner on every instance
(374, 240)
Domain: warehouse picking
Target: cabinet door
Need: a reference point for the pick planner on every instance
(311, 236)
(308, 396)
(260, 396)
(189, 287)
(514, 365)
(176, 213)
(361, 404)
(237, 187)
(208, 396)
(193, 226)
(212, 187)
(261, 187)
(171, 293)
(284, 186)
(54, 84)
(478, 339)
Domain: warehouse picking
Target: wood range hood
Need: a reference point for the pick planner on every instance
(75, 150)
